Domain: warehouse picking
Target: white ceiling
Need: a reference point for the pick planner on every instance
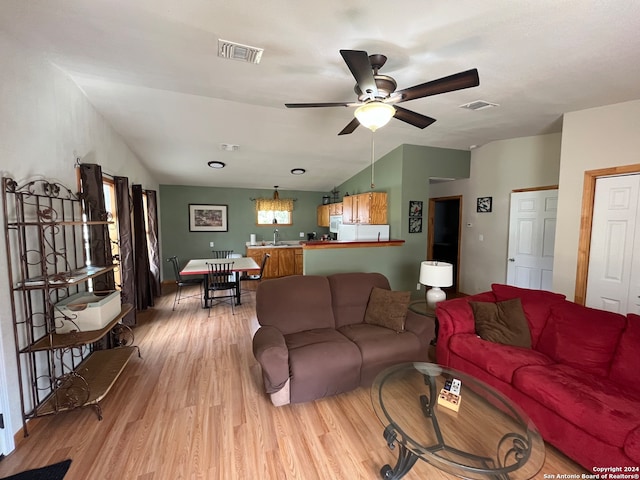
(150, 67)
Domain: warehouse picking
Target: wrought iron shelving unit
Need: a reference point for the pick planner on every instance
(46, 242)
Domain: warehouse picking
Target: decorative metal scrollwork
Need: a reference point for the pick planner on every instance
(513, 450)
(71, 390)
(122, 335)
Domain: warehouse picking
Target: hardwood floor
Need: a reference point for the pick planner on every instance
(192, 407)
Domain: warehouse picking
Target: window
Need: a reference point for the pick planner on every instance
(274, 211)
(109, 190)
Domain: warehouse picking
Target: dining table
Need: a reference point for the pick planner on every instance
(199, 266)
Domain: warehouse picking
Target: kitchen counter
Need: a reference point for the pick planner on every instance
(320, 244)
(281, 244)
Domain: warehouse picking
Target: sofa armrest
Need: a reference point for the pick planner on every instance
(270, 350)
(422, 326)
(454, 317)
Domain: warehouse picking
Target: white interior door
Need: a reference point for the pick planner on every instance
(613, 282)
(6, 434)
(532, 232)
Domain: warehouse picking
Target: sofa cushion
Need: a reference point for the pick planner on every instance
(582, 337)
(535, 303)
(295, 303)
(499, 360)
(350, 293)
(582, 399)
(381, 347)
(502, 322)
(387, 308)
(322, 362)
(624, 368)
(632, 445)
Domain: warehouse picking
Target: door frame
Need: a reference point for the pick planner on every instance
(586, 223)
(431, 232)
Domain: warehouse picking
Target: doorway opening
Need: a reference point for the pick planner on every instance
(443, 242)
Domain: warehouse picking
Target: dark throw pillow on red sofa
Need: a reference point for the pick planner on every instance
(502, 322)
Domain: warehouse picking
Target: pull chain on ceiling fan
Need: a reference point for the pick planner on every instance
(377, 99)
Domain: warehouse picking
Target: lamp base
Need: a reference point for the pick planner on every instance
(435, 295)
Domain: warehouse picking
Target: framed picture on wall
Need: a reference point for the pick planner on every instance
(415, 208)
(484, 204)
(415, 224)
(208, 218)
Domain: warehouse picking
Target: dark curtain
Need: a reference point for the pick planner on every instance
(152, 236)
(144, 295)
(94, 207)
(125, 234)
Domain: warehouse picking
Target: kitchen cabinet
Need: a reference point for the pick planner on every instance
(365, 208)
(335, 208)
(284, 261)
(323, 212)
(298, 267)
(60, 357)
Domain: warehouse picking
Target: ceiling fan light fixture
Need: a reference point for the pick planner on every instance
(374, 115)
(216, 164)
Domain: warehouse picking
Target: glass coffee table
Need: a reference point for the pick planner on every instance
(488, 437)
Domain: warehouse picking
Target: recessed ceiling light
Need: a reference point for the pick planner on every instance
(216, 164)
(298, 171)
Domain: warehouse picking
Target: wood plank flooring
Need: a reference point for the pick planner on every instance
(193, 408)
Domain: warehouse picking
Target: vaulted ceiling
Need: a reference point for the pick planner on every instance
(151, 68)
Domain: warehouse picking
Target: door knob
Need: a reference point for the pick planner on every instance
(512, 259)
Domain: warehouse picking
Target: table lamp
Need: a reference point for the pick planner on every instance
(435, 274)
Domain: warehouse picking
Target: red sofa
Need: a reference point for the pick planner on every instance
(579, 382)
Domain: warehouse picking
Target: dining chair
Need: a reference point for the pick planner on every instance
(222, 253)
(257, 277)
(219, 279)
(181, 282)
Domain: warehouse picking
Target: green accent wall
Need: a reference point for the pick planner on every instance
(176, 239)
(404, 174)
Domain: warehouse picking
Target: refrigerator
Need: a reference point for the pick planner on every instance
(363, 233)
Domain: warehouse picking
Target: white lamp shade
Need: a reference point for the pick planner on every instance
(374, 115)
(436, 274)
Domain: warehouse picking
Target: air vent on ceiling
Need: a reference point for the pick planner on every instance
(237, 51)
(479, 105)
(229, 147)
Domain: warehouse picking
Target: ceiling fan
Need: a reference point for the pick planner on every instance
(377, 94)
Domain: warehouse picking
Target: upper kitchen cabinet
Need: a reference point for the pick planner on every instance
(365, 208)
(323, 213)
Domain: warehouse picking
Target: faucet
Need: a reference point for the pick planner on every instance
(276, 236)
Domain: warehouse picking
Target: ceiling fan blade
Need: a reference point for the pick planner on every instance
(413, 118)
(326, 104)
(353, 124)
(360, 67)
(457, 81)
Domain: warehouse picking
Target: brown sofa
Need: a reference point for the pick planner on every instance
(313, 340)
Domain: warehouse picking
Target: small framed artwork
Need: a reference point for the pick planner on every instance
(415, 208)
(208, 218)
(484, 204)
(415, 224)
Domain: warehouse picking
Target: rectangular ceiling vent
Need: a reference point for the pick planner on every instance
(479, 105)
(237, 51)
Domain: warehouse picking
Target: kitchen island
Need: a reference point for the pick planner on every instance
(290, 257)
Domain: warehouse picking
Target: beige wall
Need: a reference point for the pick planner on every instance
(497, 168)
(591, 139)
(46, 122)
